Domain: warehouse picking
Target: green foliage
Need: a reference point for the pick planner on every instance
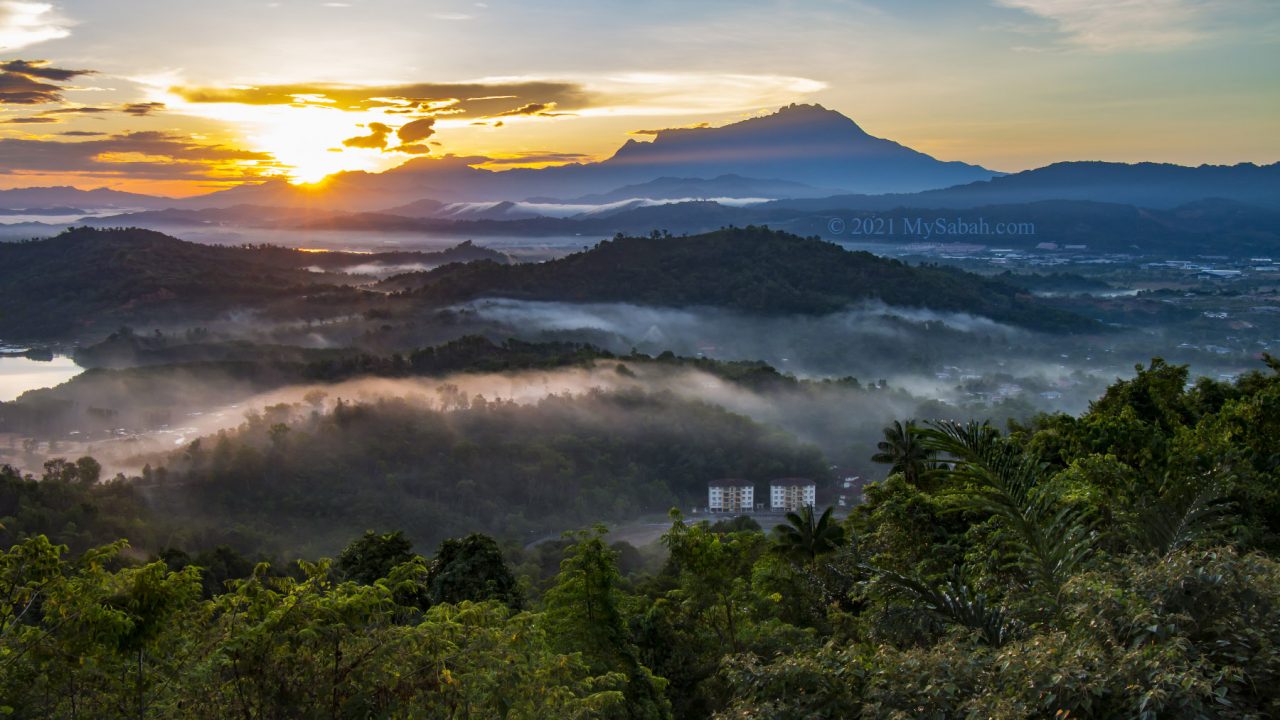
(83, 640)
(371, 556)
(501, 467)
(1049, 542)
(584, 609)
(804, 538)
(904, 451)
(472, 569)
(1119, 564)
(752, 269)
(74, 509)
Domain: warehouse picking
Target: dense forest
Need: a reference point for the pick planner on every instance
(91, 280)
(752, 269)
(1116, 564)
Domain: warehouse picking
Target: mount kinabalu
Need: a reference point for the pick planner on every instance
(804, 144)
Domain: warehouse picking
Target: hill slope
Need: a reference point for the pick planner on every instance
(751, 269)
(806, 144)
(1148, 185)
(88, 277)
(49, 287)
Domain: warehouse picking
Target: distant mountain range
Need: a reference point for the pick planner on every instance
(1212, 226)
(1148, 185)
(793, 169)
(681, 188)
(46, 198)
(790, 153)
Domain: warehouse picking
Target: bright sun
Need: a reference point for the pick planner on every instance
(309, 141)
(306, 140)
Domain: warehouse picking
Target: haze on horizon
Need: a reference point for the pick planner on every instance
(180, 99)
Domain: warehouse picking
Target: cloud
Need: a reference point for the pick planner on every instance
(466, 100)
(537, 157)
(41, 69)
(83, 133)
(528, 109)
(30, 120)
(658, 94)
(142, 108)
(1115, 25)
(375, 140)
(136, 155)
(410, 135)
(416, 130)
(27, 23)
(78, 110)
(18, 89)
(694, 126)
(26, 82)
(412, 149)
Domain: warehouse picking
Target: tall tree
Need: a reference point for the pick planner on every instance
(473, 569)
(904, 452)
(371, 556)
(804, 537)
(584, 613)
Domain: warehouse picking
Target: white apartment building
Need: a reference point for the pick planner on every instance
(791, 494)
(731, 496)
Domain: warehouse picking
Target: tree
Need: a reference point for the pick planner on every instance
(472, 569)
(804, 538)
(1049, 541)
(903, 451)
(371, 556)
(584, 612)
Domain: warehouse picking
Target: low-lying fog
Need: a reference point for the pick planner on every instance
(843, 421)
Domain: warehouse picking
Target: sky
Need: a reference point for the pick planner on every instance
(182, 97)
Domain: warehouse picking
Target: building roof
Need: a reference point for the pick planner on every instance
(782, 482)
(730, 482)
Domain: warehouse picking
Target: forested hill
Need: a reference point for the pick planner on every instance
(88, 276)
(752, 269)
(47, 287)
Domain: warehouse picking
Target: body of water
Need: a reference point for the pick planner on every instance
(19, 374)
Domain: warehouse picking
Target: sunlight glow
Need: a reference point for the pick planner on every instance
(305, 138)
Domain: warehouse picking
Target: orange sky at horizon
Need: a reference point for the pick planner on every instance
(154, 97)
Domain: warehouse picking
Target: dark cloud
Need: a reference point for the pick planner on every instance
(29, 120)
(375, 140)
(143, 155)
(413, 149)
(695, 126)
(41, 69)
(466, 100)
(78, 110)
(538, 156)
(143, 108)
(529, 109)
(416, 130)
(18, 89)
(82, 133)
(23, 82)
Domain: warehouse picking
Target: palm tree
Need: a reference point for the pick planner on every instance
(804, 538)
(991, 475)
(903, 451)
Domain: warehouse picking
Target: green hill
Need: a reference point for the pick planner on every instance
(752, 269)
(96, 279)
(85, 277)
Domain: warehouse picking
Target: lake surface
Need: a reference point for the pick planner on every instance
(19, 374)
